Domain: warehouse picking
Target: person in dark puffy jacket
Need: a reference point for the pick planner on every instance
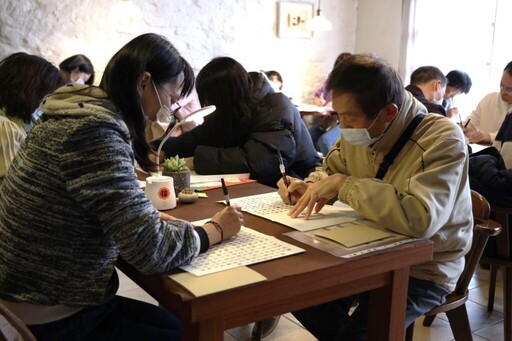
(250, 125)
(490, 170)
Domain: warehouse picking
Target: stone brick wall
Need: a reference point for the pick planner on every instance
(200, 29)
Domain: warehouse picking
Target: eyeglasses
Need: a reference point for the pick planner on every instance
(168, 94)
(506, 90)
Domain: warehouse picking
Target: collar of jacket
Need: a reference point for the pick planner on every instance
(79, 100)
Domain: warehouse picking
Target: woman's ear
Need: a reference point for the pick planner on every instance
(143, 82)
(74, 75)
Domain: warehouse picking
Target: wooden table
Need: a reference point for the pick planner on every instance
(294, 282)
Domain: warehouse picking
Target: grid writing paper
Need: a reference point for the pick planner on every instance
(271, 207)
(247, 247)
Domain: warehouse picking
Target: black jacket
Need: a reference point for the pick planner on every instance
(489, 176)
(278, 127)
(431, 107)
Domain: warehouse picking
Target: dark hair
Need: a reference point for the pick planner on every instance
(459, 80)
(508, 68)
(277, 74)
(82, 63)
(225, 83)
(24, 81)
(341, 57)
(150, 53)
(426, 74)
(370, 79)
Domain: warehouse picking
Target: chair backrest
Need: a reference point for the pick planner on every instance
(483, 228)
(481, 207)
(12, 328)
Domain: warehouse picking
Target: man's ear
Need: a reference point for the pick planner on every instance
(437, 84)
(143, 82)
(391, 110)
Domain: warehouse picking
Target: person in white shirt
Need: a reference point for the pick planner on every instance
(489, 114)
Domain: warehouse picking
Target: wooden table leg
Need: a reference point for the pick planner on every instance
(386, 316)
(209, 330)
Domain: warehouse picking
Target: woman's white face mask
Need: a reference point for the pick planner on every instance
(164, 118)
(164, 114)
(361, 136)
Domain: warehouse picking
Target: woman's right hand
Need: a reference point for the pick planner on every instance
(230, 220)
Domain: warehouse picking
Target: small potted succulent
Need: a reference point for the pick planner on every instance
(176, 168)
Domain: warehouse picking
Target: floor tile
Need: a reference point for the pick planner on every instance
(228, 337)
(480, 295)
(130, 289)
(125, 283)
(439, 330)
(138, 294)
(288, 330)
(492, 332)
(479, 317)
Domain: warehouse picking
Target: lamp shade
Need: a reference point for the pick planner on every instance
(319, 22)
(200, 113)
(196, 115)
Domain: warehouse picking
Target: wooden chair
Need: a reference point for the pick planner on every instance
(14, 325)
(455, 307)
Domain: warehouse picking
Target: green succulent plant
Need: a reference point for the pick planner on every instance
(175, 164)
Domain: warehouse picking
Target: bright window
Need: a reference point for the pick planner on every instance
(469, 35)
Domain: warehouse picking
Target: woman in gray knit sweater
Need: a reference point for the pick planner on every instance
(71, 204)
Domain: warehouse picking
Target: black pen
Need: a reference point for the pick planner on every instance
(225, 190)
(283, 173)
(465, 125)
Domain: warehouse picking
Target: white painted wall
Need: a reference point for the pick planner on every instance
(200, 29)
(379, 25)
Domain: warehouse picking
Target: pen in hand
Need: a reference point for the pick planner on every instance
(225, 190)
(466, 125)
(283, 173)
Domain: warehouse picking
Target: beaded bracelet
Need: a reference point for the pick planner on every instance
(218, 227)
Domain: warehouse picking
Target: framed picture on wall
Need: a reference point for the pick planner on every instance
(292, 18)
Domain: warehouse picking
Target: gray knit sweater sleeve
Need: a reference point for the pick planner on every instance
(104, 183)
(69, 206)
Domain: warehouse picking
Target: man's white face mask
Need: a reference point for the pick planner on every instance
(361, 136)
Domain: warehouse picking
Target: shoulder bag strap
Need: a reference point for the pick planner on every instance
(390, 157)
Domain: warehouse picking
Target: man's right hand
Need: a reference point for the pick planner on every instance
(479, 137)
(296, 188)
(452, 112)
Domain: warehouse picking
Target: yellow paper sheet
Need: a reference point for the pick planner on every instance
(354, 234)
(218, 281)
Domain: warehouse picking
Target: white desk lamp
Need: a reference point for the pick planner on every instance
(198, 114)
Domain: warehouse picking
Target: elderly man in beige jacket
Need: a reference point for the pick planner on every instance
(424, 193)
